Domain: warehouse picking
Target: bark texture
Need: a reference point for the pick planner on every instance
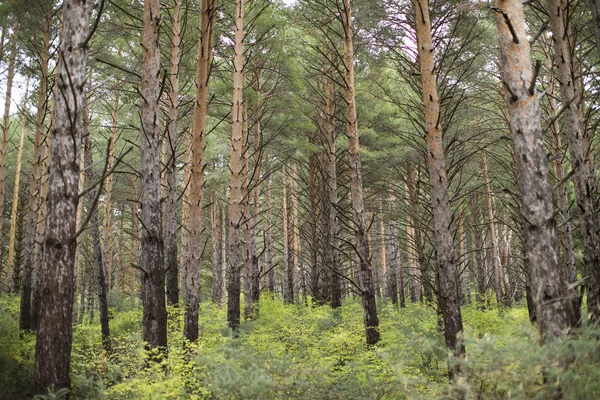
(584, 175)
(151, 259)
(447, 272)
(532, 172)
(235, 174)
(54, 335)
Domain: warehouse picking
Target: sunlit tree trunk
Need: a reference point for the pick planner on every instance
(448, 298)
(531, 164)
(54, 335)
(358, 213)
(235, 177)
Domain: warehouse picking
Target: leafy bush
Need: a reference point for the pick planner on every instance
(300, 352)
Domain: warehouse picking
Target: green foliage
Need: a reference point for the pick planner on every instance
(17, 350)
(303, 351)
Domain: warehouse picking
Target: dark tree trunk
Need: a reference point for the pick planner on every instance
(152, 258)
(54, 335)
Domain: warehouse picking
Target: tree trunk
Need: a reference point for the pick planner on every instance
(584, 175)
(170, 214)
(383, 255)
(107, 224)
(255, 223)
(412, 240)
(268, 239)
(4, 144)
(98, 266)
(15, 201)
(448, 297)
(152, 258)
(247, 244)
(496, 270)
(356, 188)
(54, 335)
(288, 277)
(531, 163)
(235, 173)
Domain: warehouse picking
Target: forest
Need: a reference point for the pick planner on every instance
(300, 199)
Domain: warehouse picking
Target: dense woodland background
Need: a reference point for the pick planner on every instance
(311, 199)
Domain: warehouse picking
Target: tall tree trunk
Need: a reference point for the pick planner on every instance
(584, 176)
(356, 188)
(133, 249)
(152, 258)
(98, 266)
(531, 163)
(235, 174)
(54, 335)
(496, 271)
(255, 222)
(565, 230)
(171, 266)
(4, 144)
(15, 202)
(107, 224)
(247, 244)
(449, 302)
(34, 198)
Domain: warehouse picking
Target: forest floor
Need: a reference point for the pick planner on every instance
(301, 352)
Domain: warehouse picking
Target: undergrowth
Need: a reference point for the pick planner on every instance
(305, 352)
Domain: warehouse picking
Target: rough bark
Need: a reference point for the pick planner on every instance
(54, 335)
(584, 175)
(356, 188)
(247, 244)
(235, 177)
(531, 162)
(151, 258)
(447, 273)
(170, 213)
(256, 175)
(412, 205)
